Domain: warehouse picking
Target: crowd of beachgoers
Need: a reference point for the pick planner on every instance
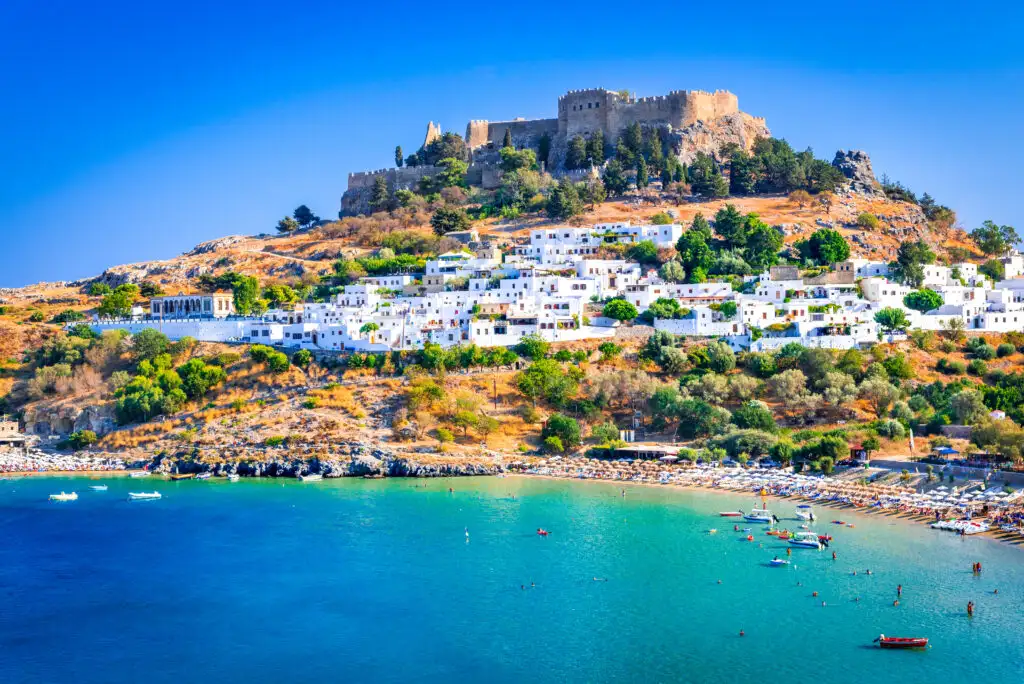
(32, 461)
(968, 509)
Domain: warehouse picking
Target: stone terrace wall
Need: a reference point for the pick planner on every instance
(405, 177)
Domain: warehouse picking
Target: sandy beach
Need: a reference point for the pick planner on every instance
(899, 503)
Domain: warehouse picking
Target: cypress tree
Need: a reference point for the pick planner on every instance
(507, 142)
(641, 173)
(398, 156)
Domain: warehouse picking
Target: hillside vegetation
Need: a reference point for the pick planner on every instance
(145, 393)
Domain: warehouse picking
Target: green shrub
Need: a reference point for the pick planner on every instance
(81, 439)
(1005, 349)
(554, 444)
(977, 367)
(69, 316)
(950, 367)
(565, 428)
(275, 441)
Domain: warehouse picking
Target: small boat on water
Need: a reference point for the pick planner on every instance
(777, 562)
(806, 539)
(203, 476)
(98, 488)
(143, 496)
(139, 473)
(804, 512)
(64, 497)
(311, 477)
(234, 477)
(731, 514)
(902, 642)
(759, 515)
(182, 476)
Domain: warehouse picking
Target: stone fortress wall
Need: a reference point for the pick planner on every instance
(582, 112)
(525, 132)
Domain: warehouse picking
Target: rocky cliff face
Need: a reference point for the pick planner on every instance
(856, 165)
(709, 136)
(64, 419)
(363, 461)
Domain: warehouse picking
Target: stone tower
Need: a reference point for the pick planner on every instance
(433, 133)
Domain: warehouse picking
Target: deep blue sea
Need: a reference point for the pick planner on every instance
(376, 581)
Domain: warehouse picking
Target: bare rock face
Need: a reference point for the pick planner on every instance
(709, 136)
(856, 165)
(64, 419)
(216, 245)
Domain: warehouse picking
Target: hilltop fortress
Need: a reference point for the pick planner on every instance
(584, 112)
(695, 120)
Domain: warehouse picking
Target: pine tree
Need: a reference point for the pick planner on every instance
(576, 155)
(564, 202)
(614, 178)
(655, 151)
(595, 148)
(633, 139)
(398, 156)
(507, 142)
(380, 198)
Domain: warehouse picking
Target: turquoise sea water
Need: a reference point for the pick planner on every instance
(357, 580)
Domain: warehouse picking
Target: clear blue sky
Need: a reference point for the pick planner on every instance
(132, 131)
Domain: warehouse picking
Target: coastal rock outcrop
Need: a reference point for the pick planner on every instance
(856, 166)
(365, 464)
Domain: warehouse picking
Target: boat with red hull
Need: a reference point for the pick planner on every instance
(902, 642)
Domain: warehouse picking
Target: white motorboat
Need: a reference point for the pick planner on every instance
(804, 512)
(203, 476)
(776, 562)
(143, 496)
(760, 515)
(234, 477)
(139, 473)
(98, 488)
(807, 540)
(311, 477)
(64, 497)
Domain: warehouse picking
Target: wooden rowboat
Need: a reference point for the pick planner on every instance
(902, 642)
